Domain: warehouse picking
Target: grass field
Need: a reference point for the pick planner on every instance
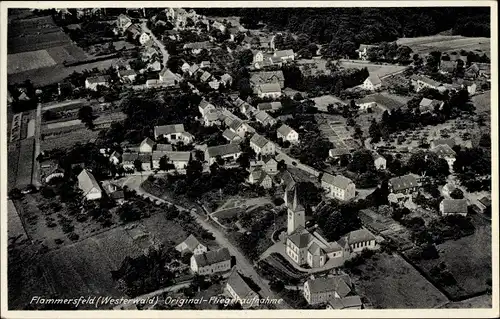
(322, 102)
(404, 288)
(443, 43)
(482, 102)
(25, 61)
(379, 69)
(68, 139)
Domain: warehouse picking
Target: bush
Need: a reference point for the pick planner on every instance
(58, 241)
(73, 236)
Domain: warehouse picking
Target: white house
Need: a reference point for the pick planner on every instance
(262, 145)
(264, 118)
(93, 82)
(380, 162)
(185, 67)
(191, 245)
(144, 38)
(128, 75)
(168, 78)
(211, 262)
(338, 187)
(146, 145)
(321, 290)
(269, 90)
(259, 177)
(89, 185)
(286, 133)
(228, 152)
(284, 55)
(174, 133)
(363, 51)
(205, 107)
(180, 160)
(372, 83)
(447, 153)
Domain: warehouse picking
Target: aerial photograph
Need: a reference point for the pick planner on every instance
(249, 158)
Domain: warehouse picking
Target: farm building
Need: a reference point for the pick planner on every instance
(93, 82)
(453, 207)
(227, 152)
(338, 187)
(286, 133)
(191, 245)
(269, 90)
(89, 185)
(211, 262)
(240, 291)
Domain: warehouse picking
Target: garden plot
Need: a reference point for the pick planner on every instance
(25, 61)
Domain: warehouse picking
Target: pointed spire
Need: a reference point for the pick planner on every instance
(295, 198)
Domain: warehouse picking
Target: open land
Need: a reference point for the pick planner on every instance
(444, 43)
(381, 70)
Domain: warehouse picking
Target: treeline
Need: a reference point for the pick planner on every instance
(364, 25)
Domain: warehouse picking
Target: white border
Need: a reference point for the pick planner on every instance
(404, 313)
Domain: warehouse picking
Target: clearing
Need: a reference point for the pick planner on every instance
(443, 43)
(381, 70)
(25, 61)
(389, 292)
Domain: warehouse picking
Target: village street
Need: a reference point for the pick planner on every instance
(160, 45)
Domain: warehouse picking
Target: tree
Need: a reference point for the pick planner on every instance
(245, 58)
(457, 194)
(374, 132)
(138, 165)
(165, 164)
(362, 161)
(86, 115)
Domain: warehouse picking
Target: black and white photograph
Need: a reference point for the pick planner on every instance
(249, 158)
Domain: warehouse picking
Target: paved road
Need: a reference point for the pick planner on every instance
(245, 266)
(160, 45)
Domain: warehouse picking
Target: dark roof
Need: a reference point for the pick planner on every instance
(448, 141)
(486, 201)
(403, 182)
(191, 243)
(285, 130)
(346, 302)
(359, 236)
(169, 129)
(301, 240)
(239, 285)
(266, 77)
(98, 79)
(163, 147)
(212, 257)
(454, 206)
(221, 150)
(444, 150)
(326, 284)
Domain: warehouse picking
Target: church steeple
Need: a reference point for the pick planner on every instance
(294, 207)
(296, 213)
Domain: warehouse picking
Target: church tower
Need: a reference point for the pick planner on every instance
(296, 213)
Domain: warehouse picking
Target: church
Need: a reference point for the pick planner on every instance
(310, 248)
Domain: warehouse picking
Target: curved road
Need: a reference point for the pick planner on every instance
(245, 266)
(158, 43)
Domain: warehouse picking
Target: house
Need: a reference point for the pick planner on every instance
(228, 152)
(482, 206)
(185, 67)
(205, 76)
(233, 32)
(237, 126)
(349, 302)
(129, 160)
(146, 145)
(405, 184)
(179, 160)
(173, 133)
(338, 187)
(321, 290)
(447, 67)
(149, 53)
(469, 85)
(264, 118)
(442, 141)
(123, 22)
(358, 240)
(379, 161)
(164, 147)
(372, 83)
(338, 152)
(193, 69)
(127, 75)
(478, 70)
(231, 136)
(262, 145)
(214, 84)
(259, 177)
(240, 291)
(270, 166)
(196, 47)
(168, 78)
(449, 207)
(447, 189)
(384, 102)
(213, 117)
(264, 77)
(286, 133)
(154, 66)
(133, 32)
(284, 55)
(428, 105)
(93, 82)
(363, 51)
(444, 151)
(423, 82)
(211, 262)
(205, 107)
(89, 185)
(269, 106)
(226, 79)
(204, 64)
(144, 38)
(191, 245)
(114, 192)
(152, 83)
(115, 158)
(269, 90)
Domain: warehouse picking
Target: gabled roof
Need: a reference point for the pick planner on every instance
(454, 206)
(337, 180)
(266, 77)
(315, 250)
(269, 106)
(444, 150)
(127, 72)
(448, 141)
(198, 45)
(230, 135)
(221, 150)
(285, 130)
(429, 81)
(87, 182)
(403, 182)
(327, 284)
(338, 151)
(148, 141)
(212, 257)
(374, 79)
(169, 129)
(365, 46)
(163, 147)
(359, 236)
(346, 302)
(166, 73)
(193, 68)
(205, 76)
(204, 104)
(301, 240)
(283, 53)
(98, 79)
(240, 287)
(173, 156)
(447, 66)
(259, 140)
(269, 87)
(226, 78)
(235, 124)
(263, 117)
(191, 243)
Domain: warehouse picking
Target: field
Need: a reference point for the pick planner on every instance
(404, 288)
(482, 102)
(68, 139)
(322, 102)
(443, 43)
(25, 61)
(468, 259)
(379, 69)
(312, 67)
